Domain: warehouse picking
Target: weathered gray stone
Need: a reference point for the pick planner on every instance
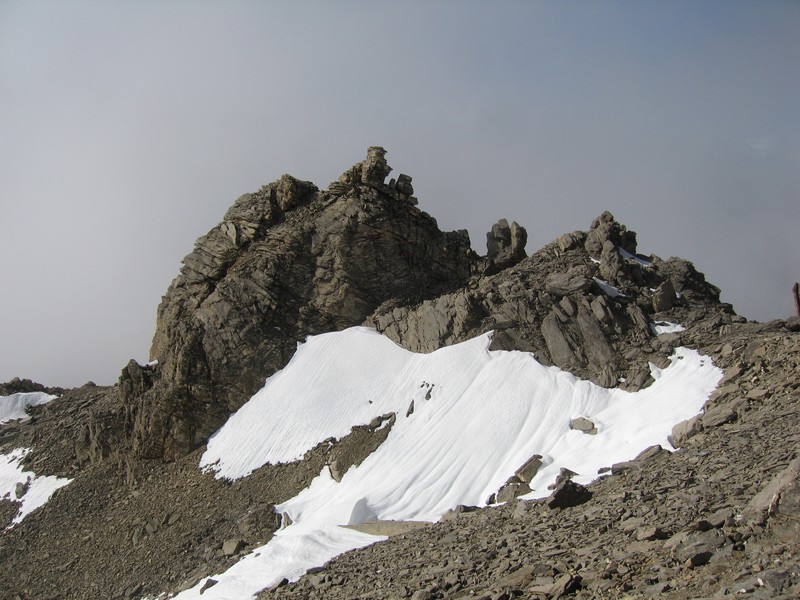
(403, 185)
(650, 533)
(584, 425)
(684, 430)
(718, 415)
(766, 502)
(664, 297)
(596, 347)
(562, 284)
(528, 471)
(235, 313)
(232, 546)
(511, 490)
(693, 546)
(375, 169)
(568, 241)
(505, 245)
(605, 228)
(610, 262)
(21, 488)
(558, 345)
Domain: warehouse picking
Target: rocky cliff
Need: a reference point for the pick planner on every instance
(285, 262)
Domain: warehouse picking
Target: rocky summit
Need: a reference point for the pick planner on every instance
(712, 513)
(285, 262)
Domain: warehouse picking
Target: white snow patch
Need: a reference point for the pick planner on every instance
(608, 289)
(488, 413)
(289, 554)
(15, 406)
(37, 491)
(660, 327)
(627, 255)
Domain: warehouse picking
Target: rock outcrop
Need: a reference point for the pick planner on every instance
(584, 302)
(287, 261)
(17, 386)
(292, 260)
(505, 245)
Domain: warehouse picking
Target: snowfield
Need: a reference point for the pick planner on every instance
(35, 491)
(16, 484)
(15, 406)
(478, 415)
(662, 327)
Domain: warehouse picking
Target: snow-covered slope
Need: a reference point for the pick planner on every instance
(16, 484)
(25, 487)
(16, 406)
(478, 415)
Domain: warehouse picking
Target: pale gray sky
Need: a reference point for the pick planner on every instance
(127, 129)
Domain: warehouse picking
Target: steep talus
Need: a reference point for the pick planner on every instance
(127, 527)
(718, 517)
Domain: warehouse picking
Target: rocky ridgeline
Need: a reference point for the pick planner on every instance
(291, 260)
(718, 517)
(23, 386)
(584, 302)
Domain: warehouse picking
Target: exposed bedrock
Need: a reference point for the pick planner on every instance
(287, 261)
(585, 302)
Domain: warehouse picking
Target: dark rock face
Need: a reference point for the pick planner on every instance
(287, 261)
(568, 493)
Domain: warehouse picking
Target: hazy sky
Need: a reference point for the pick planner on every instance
(128, 128)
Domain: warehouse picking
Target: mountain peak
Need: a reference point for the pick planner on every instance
(291, 260)
(287, 261)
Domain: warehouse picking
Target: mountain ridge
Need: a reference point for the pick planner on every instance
(308, 261)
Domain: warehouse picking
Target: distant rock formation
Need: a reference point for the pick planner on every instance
(287, 261)
(17, 385)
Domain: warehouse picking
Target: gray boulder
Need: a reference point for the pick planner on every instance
(567, 494)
